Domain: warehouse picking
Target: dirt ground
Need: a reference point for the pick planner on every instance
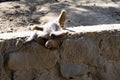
(16, 15)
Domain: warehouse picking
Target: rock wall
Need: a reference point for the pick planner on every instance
(85, 55)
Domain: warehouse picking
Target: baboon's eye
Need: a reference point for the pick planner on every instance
(52, 36)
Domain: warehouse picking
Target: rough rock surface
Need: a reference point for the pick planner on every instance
(84, 55)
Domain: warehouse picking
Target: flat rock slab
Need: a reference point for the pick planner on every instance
(74, 30)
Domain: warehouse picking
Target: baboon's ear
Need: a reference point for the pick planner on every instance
(62, 18)
(59, 34)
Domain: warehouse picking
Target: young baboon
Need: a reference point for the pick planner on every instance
(52, 33)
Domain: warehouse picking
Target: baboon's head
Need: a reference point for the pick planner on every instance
(55, 40)
(53, 43)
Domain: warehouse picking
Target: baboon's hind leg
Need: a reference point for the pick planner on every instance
(62, 18)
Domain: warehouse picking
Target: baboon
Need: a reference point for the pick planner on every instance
(52, 33)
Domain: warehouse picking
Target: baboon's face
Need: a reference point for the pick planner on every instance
(53, 43)
(55, 40)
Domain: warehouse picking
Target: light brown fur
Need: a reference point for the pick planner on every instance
(52, 32)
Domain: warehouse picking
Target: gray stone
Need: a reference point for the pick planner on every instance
(1, 61)
(18, 75)
(81, 50)
(32, 57)
(72, 70)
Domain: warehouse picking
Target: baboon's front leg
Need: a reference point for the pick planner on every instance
(32, 37)
(59, 34)
(35, 35)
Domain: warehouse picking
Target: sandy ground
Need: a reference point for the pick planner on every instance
(15, 16)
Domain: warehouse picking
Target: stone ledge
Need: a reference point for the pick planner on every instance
(74, 30)
(89, 52)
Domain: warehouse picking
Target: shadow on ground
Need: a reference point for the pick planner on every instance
(78, 13)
